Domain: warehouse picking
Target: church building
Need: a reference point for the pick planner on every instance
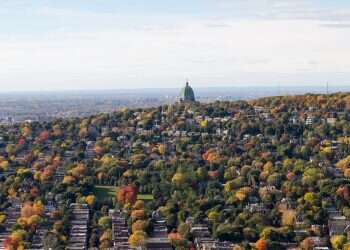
(187, 94)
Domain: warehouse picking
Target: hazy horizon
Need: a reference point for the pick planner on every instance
(244, 90)
(316, 87)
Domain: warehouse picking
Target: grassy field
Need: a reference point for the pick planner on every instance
(102, 192)
(145, 197)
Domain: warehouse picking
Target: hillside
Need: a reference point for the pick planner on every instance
(271, 173)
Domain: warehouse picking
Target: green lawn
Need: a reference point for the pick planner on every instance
(102, 192)
(145, 197)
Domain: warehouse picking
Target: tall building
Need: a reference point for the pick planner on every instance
(187, 94)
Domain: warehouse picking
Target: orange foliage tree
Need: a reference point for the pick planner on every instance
(127, 194)
(261, 244)
(211, 156)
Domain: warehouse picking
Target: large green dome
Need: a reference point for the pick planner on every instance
(187, 94)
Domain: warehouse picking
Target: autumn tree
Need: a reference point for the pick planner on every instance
(261, 245)
(138, 239)
(127, 194)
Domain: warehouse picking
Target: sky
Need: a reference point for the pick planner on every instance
(126, 44)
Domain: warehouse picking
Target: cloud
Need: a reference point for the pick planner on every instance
(284, 10)
(336, 25)
(245, 42)
(193, 50)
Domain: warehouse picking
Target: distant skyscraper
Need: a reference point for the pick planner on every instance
(187, 94)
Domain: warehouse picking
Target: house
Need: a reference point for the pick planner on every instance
(155, 243)
(333, 212)
(212, 244)
(287, 203)
(309, 120)
(257, 208)
(120, 230)
(78, 235)
(159, 237)
(331, 120)
(200, 230)
(338, 225)
(319, 241)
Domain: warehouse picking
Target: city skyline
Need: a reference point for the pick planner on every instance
(50, 45)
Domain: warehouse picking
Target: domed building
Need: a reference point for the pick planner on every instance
(187, 94)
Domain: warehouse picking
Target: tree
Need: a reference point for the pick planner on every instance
(68, 179)
(105, 222)
(213, 215)
(105, 239)
(242, 193)
(127, 194)
(90, 200)
(4, 165)
(307, 244)
(139, 204)
(162, 149)
(288, 217)
(174, 236)
(44, 135)
(228, 232)
(138, 239)
(15, 240)
(178, 178)
(183, 229)
(310, 197)
(261, 245)
(79, 171)
(338, 241)
(38, 208)
(211, 156)
(138, 214)
(139, 225)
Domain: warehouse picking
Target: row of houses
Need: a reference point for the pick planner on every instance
(120, 230)
(158, 240)
(78, 236)
(204, 241)
(13, 212)
(38, 239)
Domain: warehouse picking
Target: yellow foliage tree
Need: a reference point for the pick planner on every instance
(343, 163)
(204, 124)
(2, 218)
(34, 220)
(213, 215)
(106, 239)
(139, 225)
(138, 214)
(139, 204)
(162, 149)
(68, 179)
(242, 193)
(90, 200)
(79, 171)
(178, 178)
(138, 239)
(337, 242)
(4, 165)
(38, 208)
(268, 167)
(347, 173)
(288, 217)
(12, 192)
